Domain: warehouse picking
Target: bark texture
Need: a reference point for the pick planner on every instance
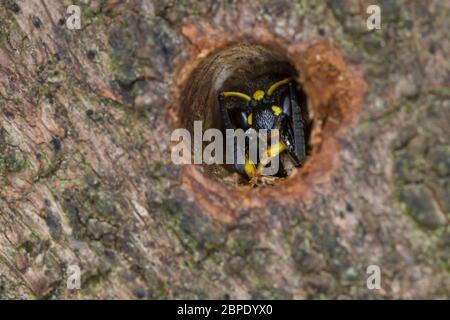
(86, 177)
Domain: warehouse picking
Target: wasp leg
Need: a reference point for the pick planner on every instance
(241, 162)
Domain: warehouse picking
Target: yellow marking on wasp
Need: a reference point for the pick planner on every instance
(275, 149)
(258, 95)
(276, 85)
(250, 119)
(249, 167)
(237, 94)
(276, 110)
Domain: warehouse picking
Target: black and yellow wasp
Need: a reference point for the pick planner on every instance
(267, 110)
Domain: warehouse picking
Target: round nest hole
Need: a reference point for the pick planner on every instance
(244, 68)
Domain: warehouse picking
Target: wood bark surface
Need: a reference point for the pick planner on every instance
(86, 176)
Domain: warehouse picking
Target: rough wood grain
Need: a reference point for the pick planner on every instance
(86, 176)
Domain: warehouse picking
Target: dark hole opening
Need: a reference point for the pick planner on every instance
(244, 68)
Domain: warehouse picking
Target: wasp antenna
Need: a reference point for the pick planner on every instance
(276, 85)
(237, 94)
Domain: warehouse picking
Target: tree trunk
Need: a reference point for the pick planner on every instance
(86, 176)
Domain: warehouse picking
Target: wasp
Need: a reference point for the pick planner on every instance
(278, 108)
